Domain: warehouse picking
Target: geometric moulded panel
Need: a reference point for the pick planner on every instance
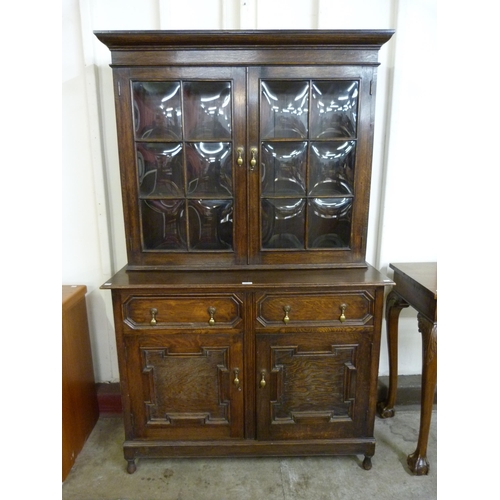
(187, 389)
(313, 387)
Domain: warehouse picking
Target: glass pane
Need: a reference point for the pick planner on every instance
(157, 110)
(207, 110)
(284, 168)
(209, 169)
(159, 169)
(332, 168)
(283, 222)
(329, 222)
(210, 224)
(284, 109)
(334, 110)
(163, 224)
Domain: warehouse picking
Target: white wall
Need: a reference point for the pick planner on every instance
(402, 223)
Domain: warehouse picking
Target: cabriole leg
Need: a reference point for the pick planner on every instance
(394, 305)
(417, 461)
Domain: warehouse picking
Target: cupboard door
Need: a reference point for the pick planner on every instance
(312, 385)
(310, 135)
(186, 387)
(184, 194)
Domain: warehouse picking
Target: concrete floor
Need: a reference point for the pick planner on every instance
(100, 473)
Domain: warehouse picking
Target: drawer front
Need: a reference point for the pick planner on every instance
(174, 311)
(343, 308)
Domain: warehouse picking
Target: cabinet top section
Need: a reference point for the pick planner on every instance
(121, 43)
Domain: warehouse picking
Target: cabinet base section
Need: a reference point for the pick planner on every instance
(230, 449)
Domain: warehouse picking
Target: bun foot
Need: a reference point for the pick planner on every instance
(131, 467)
(418, 464)
(367, 463)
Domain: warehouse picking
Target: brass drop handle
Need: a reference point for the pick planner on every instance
(262, 382)
(153, 311)
(287, 310)
(236, 380)
(239, 161)
(211, 311)
(342, 312)
(253, 161)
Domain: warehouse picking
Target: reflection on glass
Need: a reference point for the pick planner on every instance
(331, 208)
(329, 222)
(283, 222)
(207, 110)
(284, 109)
(163, 223)
(183, 148)
(210, 224)
(332, 168)
(159, 169)
(283, 168)
(157, 110)
(209, 168)
(334, 109)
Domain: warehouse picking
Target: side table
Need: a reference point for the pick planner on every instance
(416, 286)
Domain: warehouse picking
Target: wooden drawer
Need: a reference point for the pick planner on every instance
(190, 311)
(343, 308)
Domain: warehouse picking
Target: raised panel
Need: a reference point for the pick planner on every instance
(187, 388)
(313, 387)
(182, 386)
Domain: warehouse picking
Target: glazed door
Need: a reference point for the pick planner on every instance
(186, 386)
(312, 385)
(181, 134)
(310, 136)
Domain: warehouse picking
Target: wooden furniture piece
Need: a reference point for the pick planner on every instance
(79, 398)
(416, 286)
(247, 319)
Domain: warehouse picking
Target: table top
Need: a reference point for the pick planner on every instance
(423, 273)
(416, 283)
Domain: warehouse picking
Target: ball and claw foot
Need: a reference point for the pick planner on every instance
(131, 467)
(418, 464)
(384, 411)
(367, 463)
